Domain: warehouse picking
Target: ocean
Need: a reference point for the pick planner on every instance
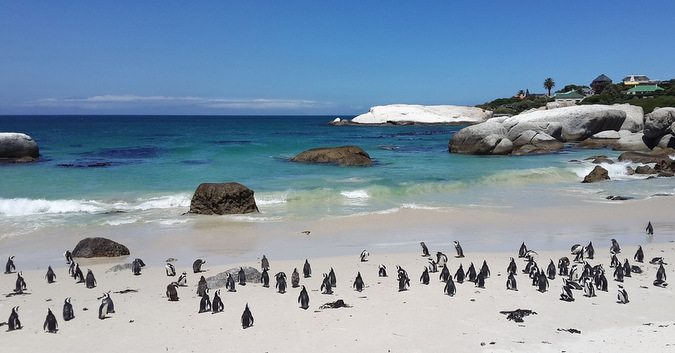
(102, 172)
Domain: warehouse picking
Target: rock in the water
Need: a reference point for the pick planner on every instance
(345, 155)
(597, 174)
(659, 123)
(479, 139)
(655, 156)
(223, 198)
(421, 114)
(99, 247)
(17, 147)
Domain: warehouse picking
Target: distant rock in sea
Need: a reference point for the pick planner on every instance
(407, 114)
(344, 155)
(16, 147)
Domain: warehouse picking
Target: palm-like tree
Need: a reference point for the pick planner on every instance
(549, 84)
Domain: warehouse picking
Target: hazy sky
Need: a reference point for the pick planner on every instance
(314, 57)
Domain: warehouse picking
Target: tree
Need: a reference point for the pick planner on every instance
(549, 84)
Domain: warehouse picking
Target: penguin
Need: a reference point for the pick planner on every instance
(445, 274)
(303, 298)
(618, 273)
(281, 282)
(382, 271)
(425, 250)
(485, 270)
(563, 266)
(433, 266)
(68, 312)
(403, 281)
(51, 276)
(197, 265)
(90, 282)
(111, 305)
(246, 318)
(522, 251)
(229, 283)
(265, 278)
(626, 268)
(441, 259)
(530, 254)
(660, 283)
(589, 289)
(358, 282)
(69, 257)
(103, 308)
(649, 229)
(50, 324)
(576, 250)
(78, 275)
(170, 269)
(458, 248)
(424, 278)
(512, 268)
(573, 274)
(306, 269)
(332, 278)
(9, 267)
(542, 283)
(136, 267)
(172, 291)
(471, 273)
(511, 282)
(459, 275)
(242, 277)
(530, 265)
(182, 279)
(615, 248)
(326, 287)
(217, 304)
(295, 278)
(364, 256)
(202, 286)
(20, 283)
(661, 273)
(566, 292)
(13, 322)
(639, 254)
(657, 261)
(264, 263)
(480, 280)
(590, 250)
(550, 270)
(450, 288)
(614, 261)
(622, 295)
(205, 303)
(600, 280)
(636, 269)
(71, 269)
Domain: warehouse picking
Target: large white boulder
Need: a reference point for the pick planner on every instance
(635, 117)
(423, 114)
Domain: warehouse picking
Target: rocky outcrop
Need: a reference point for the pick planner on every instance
(622, 140)
(99, 247)
(481, 139)
(344, 155)
(422, 114)
(659, 123)
(17, 147)
(655, 156)
(635, 117)
(597, 174)
(223, 198)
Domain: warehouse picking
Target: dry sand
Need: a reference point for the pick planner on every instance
(381, 319)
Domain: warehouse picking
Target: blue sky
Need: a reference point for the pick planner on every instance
(314, 57)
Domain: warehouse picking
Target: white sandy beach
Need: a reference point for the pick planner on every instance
(381, 319)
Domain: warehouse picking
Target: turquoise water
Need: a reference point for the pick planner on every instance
(114, 170)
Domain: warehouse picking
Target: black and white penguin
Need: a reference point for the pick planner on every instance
(618, 273)
(202, 286)
(445, 274)
(441, 259)
(511, 282)
(246, 318)
(635, 269)
(182, 279)
(326, 287)
(50, 325)
(205, 303)
(229, 283)
(626, 268)
(295, 278)
(600, 280)
(264, 263)
(51, 276)
(242, 276)
(358, 282)
(542, 282)
(170, 269)
(589, 289)
(20, 283)
(307, 269)
(382, 271)
(197, 265)
(69, 257)
(71, 269)
(639, 254)
(303, 298)
(364, 256)
(512, 268)
(615, 248)
(424, 278)
(471, 273)
(458, 248)
(403, 281)
(90, 281)
(590, 250)
(657, 261)
(402, 272)
(459, 274)
(522, 251)
(13, 322)
(480, 280)
(661, 273)
(281, 282)
(9, 267)
(566, 292)
(172, 292)
(530, 254)
(217, 304)
(68, 312)
(265, 278)
(136, 267)
(77, 274)
(578, 251)
(649, 229)
(485, 270)
(550, 270)
(425, 250)
(530, 265)
(614, 261)
(104, 309)
(332, 278)
(450, 288)
(433, 266)
(563, 266)
(622, 295)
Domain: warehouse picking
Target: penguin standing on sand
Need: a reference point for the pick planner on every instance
(433, 266)
(615, 248)
(622, 295)
(522, 251)
(13, 322)
(450, 288)
(136, 267)
(566, 292)
(71, 269)
(459, 274)
(471, 273)
(197, 265)
(480, 280)
(265, 278)
(281, 282)
(563, 266)
(618, 273)
(445, 274)
(202, 286)
(295, 278)
(229, 283)
(424, 278)
(600, 280)
(170, 269)
(9, 267)
(639, 254)
(242, 277)
(425, 250)
(50, 324)
(20, 283)
(90, 281)
(303, 298)
(364, 256)
(578, 251)
(485, 270)
(68, 312)
(182, 279)
(441, 259)
(358, 282)
(649, 229)
(511, 282)
(550, 270)
(205, 303)
(382, 271)
(307, 269)
(51, 276)
(264, 263)
(512, 269)
(614, 261)
(246, 318)
(326, 287)
(590, 250)
(542, 282)
(403, 281)
(589, 289)
(626, 268)
(104, 308)
(77, 274)
(458, 248)
(69, 257)
(217, 304)
(332, 278)
(661, 274)
(172, 291)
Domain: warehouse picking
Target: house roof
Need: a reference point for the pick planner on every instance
(635, 79)
(568, 95)
(602, 78)
(645, 89)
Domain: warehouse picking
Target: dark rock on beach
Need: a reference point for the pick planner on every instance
(218, 281)
(597, 174)
(223, 198)
(17, 148)
(99, 247)
(344, 155)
